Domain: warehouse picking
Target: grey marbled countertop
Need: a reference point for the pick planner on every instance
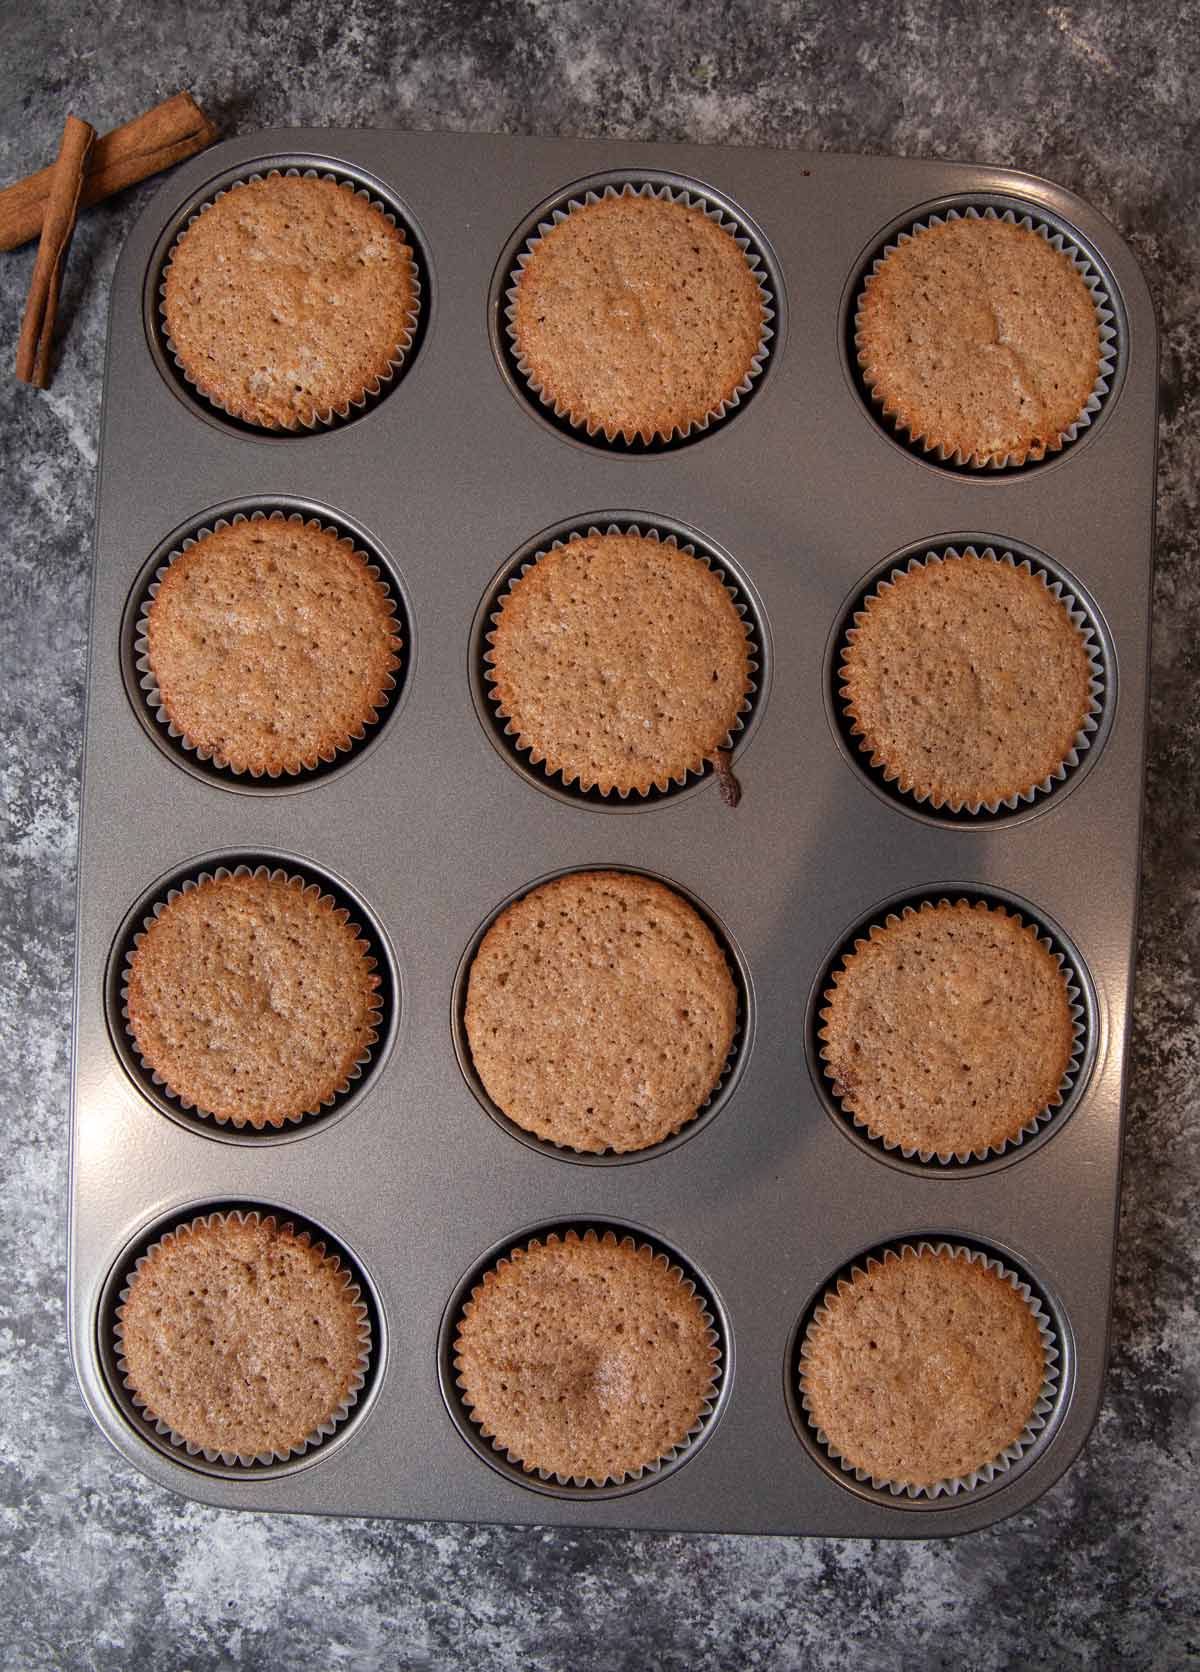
(103, 1570)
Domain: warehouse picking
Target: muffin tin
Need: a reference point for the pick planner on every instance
(449, 479)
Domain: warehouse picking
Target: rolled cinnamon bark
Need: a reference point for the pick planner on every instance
(169, 133)
(62, 203)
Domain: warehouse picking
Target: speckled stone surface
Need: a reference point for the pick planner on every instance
(102, 1570)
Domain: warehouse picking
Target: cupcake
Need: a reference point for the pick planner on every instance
(252, 997)
(948, 1030)
(637, 316)
(270, 645)
(968, 681)
(927, 1370)
(288, 299)
(586, 1359)
(240, 1338)
(979, 338)
(620, 661)
(600, 1012)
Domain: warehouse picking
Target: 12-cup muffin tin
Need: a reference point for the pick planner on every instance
(448, 480)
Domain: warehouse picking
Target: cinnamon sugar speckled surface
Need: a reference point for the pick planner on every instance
(103, 1571)
(287, 299)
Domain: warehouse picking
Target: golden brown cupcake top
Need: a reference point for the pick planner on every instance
(620, 661)
(272, 644)
(966, 680)
(288, 298)
(241, 1336)
(585, 1358)
(948, 1029)
(637, 316)
(253, 997)
(600, 1011)
(924, 1367)
(977, 335)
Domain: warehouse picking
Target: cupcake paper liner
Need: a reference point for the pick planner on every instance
(1082, 740)
(665, 785)
(593, 1235)
(218, 874)
(670, 194)
(376, 387)
(319, 1434)
(948, 1159)
(1059, 240)
(621, 1157)
(149, 685)
(954, 1487)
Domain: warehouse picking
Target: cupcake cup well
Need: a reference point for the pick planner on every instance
(570, 780)
(214, 758)
(239, 1460)
(667, 192)
(484, 1441)
(1058, 238)
(710, 1109)
(1072, 1079)
(376, 387)
(954, 1488)
(177, 1099)
(1083, 739)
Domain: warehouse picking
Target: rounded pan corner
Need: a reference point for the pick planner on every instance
(1086, 216)
(1060, 1456)
(182, 1483)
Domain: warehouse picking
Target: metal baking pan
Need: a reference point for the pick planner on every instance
(803, 497)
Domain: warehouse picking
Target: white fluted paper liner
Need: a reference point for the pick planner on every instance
(1105, 317)
(596, 1234)
(957, 1485)
(1082, 740)
(951, 1158)
(527, 746)
(735, 1047)
(376, 387)
(149, 684)
(217, 874)
(319, 1434)
(669, 194)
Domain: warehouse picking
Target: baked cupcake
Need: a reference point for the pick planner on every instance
(586, 1359)
(271, 643)
(979, 338)
(968, 682)
(253, 998)
(620, 661)
(290, 298)
(948, 1030)
(241, 1338)
(637, 316)
(600, 1012)
(927, 1369)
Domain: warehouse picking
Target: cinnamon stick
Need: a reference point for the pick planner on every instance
(169, 133)
(62, 204)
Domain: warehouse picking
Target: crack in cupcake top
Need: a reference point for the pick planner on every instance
(288, 298)
(620, 661)
(637, 316)
(978, 336)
